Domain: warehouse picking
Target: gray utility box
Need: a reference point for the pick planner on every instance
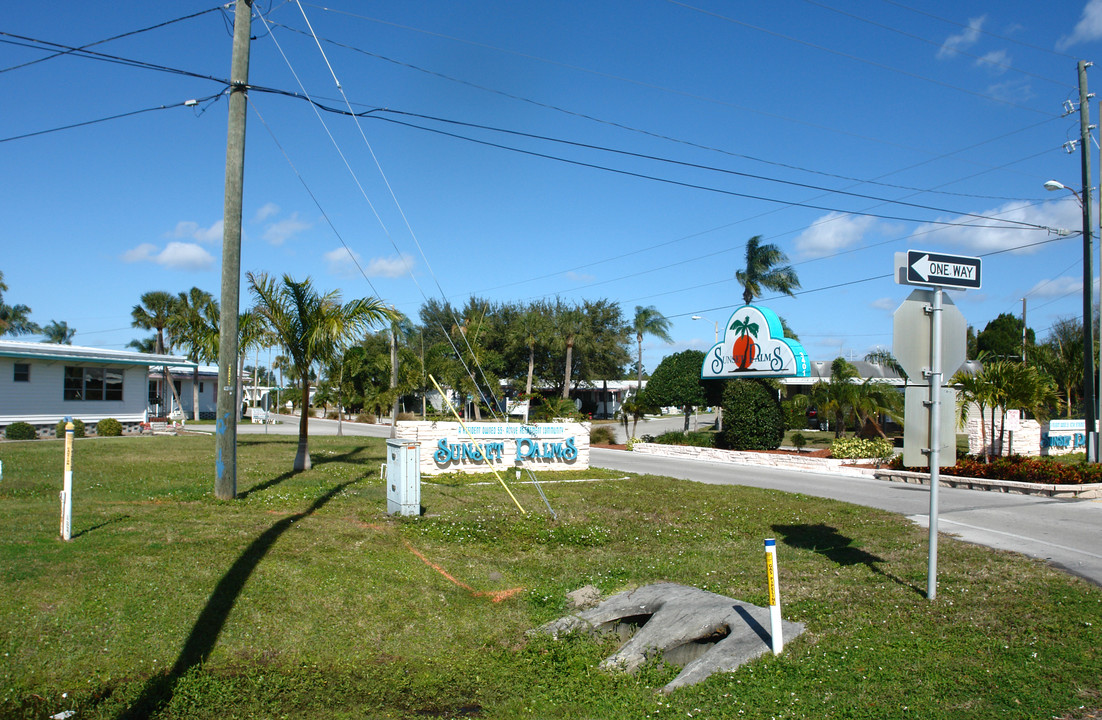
(403, 477)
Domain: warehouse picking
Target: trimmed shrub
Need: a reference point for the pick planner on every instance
(78, 428)
(20, 431)
(602, 435)
(406, 416)
(691, 439)
(368, 418)
(752, 416)
(799, 440)
(850, 448)
(109, 427)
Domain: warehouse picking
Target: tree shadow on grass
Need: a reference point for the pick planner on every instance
(208, 626)
(272, 482)
(105, 523)
(836, 547)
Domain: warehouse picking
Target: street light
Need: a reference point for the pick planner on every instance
(1089, 405)
(701, 317)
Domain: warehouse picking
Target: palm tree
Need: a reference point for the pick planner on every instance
(194, 324)
(58, 333)
(571, 323)
(154, 313)
(648, 321)
(310, 326)
(528, 331)
(762, 272)
(973, 390)
(837, 398)
(14, 319)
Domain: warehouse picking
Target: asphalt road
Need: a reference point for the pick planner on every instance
(1065, 533)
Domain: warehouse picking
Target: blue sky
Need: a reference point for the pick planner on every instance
(517, 151)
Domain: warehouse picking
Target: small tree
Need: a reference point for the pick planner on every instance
(676, 382)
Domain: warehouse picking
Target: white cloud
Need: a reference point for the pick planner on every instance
(189, 229)
(390, 266)
(885, 303)
(962, 41)
(266, 211)
(831, 234)
(175, 255)
(1056, 287)
(342, 262)
(996, 61)
(1002, 233)
(1088, 28)
(579, 277)
(1018, 90)
(283, 230)
(142, 253)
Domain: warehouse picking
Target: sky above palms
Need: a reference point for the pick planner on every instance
(527, 151)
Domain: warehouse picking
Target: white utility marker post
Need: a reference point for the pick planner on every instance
(775, 631)
(67, 485)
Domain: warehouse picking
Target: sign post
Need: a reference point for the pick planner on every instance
(932, 355)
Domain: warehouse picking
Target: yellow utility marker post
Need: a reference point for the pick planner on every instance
(67, 484)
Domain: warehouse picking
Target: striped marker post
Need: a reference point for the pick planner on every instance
(774, 595)
(67, 485)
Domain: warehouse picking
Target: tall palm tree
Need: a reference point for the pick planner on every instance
(762, 271)
(973, 390)
(153, 313)
(530, 330)
(309, 326)
(194, 324)
(571, 323)
(58, 333)
(648, 321)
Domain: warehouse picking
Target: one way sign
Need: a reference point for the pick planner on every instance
(926, 268)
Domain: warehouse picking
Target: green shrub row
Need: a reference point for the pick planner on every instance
(850, 448)
(692, 439)
(108, 427)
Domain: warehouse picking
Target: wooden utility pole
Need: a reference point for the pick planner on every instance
(1089, 402)
(228, 412)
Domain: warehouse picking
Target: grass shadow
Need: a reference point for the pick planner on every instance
(825, 540)
(208, 626)
(272, 482)
(105, 523)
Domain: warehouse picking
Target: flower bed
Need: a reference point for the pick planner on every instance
(1020, 469)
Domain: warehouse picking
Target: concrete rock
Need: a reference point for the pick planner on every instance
(585, 597)
(702, 632)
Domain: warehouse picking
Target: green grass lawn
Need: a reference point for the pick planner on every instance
(303, 599)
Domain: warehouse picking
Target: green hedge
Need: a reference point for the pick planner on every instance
(752, 416)
(20, 431)
(78, 428)
(109, 427)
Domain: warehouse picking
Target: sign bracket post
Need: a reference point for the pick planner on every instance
(935, 436)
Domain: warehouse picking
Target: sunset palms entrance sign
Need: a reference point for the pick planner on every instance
(754, 345)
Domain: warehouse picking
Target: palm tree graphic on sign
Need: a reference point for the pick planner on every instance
(745, 350)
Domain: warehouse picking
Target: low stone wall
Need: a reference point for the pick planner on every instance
(737, 457)
(445, 447)
(1085, 491)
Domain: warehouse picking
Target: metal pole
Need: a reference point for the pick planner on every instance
(225, 465)
(935, 436)
(1089, 403)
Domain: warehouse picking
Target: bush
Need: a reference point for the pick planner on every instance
(406, 416)
(850, 448)
(799, 440)
(752, 416)
(20, 431)
(368, 418)
(692, 439)
(602, 435)
(78, 428)
(109, 427)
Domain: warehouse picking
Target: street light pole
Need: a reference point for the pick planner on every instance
(719, 410)
(701, 317)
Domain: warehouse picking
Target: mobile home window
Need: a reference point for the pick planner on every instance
(22, 372)
(83, 383)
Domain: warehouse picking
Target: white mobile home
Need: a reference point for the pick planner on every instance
(42, 383)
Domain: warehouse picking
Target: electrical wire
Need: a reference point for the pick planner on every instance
(185, 103)
(113, 37)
